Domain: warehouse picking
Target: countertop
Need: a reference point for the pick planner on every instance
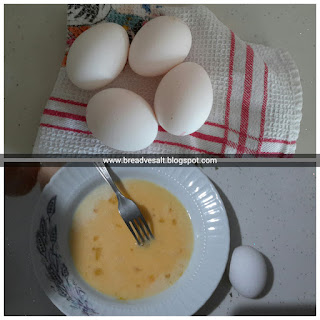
(35, 44)
(271, 209)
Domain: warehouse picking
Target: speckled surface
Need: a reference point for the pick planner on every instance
(35, 43)
(271, 209)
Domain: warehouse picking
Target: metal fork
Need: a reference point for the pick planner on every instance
(128, 210)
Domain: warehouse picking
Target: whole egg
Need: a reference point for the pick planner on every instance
(98, 56)
(183, 99)
(121, 119)
(161, 44)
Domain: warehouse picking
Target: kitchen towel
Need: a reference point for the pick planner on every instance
(257, 91)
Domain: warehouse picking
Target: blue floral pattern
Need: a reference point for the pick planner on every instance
(57, 271)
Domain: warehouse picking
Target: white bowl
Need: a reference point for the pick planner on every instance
(73, 296)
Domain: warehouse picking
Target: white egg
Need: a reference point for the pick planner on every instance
(248, 271)
(183, 99)
(121, 119)
(161, 44)
(98, 56)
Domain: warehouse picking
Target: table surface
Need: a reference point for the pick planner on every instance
(35, 44)
(275, 213)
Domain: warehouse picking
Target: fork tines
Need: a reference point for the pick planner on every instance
(137, 227)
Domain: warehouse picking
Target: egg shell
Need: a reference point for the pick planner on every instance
(98, 56)
(161, 44)
(183, 99)
(248, 271)
(121, 119)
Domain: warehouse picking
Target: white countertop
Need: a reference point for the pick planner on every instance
(271, 209)
(35, 44)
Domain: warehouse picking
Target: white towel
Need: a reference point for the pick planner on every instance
(257, 91)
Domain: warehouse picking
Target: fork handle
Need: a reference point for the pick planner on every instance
(104, 171)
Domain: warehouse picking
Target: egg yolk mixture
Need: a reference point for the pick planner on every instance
(105, 252)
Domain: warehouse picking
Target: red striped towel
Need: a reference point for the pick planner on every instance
(257, 91)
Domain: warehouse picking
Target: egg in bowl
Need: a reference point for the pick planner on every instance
(71, 293)
(106, 254)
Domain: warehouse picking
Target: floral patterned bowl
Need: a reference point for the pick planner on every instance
(73, 296)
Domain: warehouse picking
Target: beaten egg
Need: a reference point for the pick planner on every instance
(105, 252)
